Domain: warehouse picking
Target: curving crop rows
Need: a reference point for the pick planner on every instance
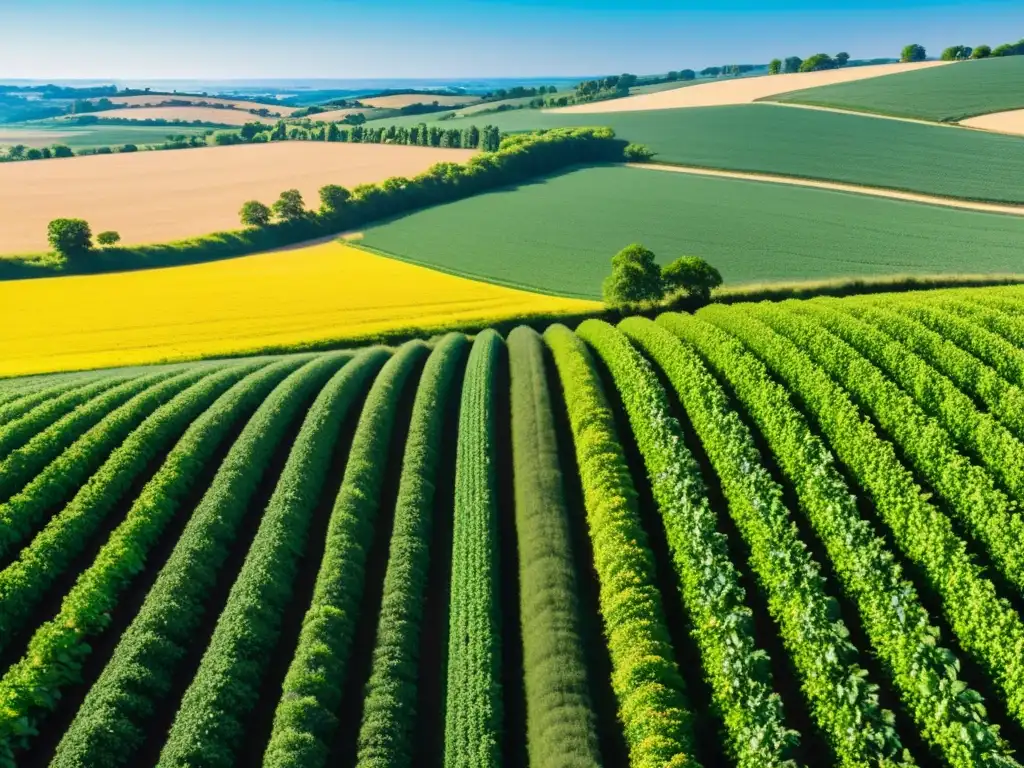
(771, 535)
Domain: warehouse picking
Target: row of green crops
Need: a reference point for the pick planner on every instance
(702, 539)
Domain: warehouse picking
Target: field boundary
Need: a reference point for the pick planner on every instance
(838, 186)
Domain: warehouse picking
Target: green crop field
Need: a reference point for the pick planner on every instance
(945, 94)
(857, 149)
(557, 235)
(695, 541)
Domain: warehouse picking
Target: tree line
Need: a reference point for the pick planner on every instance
(816, 63)
(487, 138)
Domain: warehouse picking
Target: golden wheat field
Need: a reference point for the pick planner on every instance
(153, 197)
(189, 114)
(1001, 122)
(398, 101)
(155, 100)
(327, 292)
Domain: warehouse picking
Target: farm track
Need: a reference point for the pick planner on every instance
(891, 194)
(764, 535)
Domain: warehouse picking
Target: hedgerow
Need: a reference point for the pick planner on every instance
(306, 714)
(211, 720)
(721, 623)
(389, 707)
(985, 624)
(561, 726)
(656, 721)
(112, 722)
(473, 706)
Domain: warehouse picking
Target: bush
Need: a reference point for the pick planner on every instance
(289, 206)
(129, 148)
(635, 277)
(693, 275)
(60, 150)
(34, 154)
(637, 153)
(254, 214)
(69, 237)
(108, 238)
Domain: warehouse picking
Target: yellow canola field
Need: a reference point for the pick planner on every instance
(321, 293)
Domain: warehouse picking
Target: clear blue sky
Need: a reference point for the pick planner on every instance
(134, 39)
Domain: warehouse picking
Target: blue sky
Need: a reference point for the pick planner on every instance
(135, 39)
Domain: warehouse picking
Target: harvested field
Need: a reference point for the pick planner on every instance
(305, 295)
(742, 90)
(161, 196)
(337, 114)
(1001, 122)
(155, 100)
(398, 101)
(189, 114)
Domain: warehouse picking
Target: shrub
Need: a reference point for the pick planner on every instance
(69, 237)
(108, 238)
(254, 214)
(635, 277)
(693, 275)
(289, 206)
(34, 154)
(59, 150)
(637, 153)
(129, 148)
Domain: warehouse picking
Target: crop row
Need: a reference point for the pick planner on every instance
(210, 723)
(843, 701)
(561, 725)
(23, 513)
(653, 710)
(306, 715)
(111, 725)
(946, 710)
(389, 708)
(968, 490)
(19, 406)
(990, 311)
(473, 707)
(739, 673)
(58, 647)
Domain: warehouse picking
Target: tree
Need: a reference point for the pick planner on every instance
(687, 74)
(635, 277)
(34, 154)
(842, 59)
(956, 53)
(626, 81)
(981, 52)
(254, 214)
(108, 238)
(60, 150)
(711, 71)
(774, 66)
(693, 275)
(333, 198)
(129, 148)
(637, 153)
(17, 152)
(672, 76)
(792, 64)
(69, 237)
(289, 206)
(818, 62)
(913, 52)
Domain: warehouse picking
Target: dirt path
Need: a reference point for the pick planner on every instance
(860, 114)
(892, 194)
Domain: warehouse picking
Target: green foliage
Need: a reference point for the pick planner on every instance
(333, 199)
(793, 64)
(306, 714)
(473, 705)
(386, 736)
(561, 724)
(774, 66)
(289, 206)
(637, 153)
(913, 52)
(691, 275)
(957, 53)
(209, 725)
(254, 214)
(108, 238)
(635, 278)
(656, 722)
(69, 238)
(111, 724)
(842, 59)
(981, 52)
(738, 673)
(817, 62)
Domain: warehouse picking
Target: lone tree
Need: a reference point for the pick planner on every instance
(692, 275)
(635, 277)
(842, 58)
(913, 52)
(108, 238)
(70, 237)
(774, 66)
(289, 206)
(254, 214)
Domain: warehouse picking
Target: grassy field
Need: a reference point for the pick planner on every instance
(856, 149)
(558, 235)
(692, 542)
(158, 197)
(291, 297)
(945, 94)
(86, 137)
